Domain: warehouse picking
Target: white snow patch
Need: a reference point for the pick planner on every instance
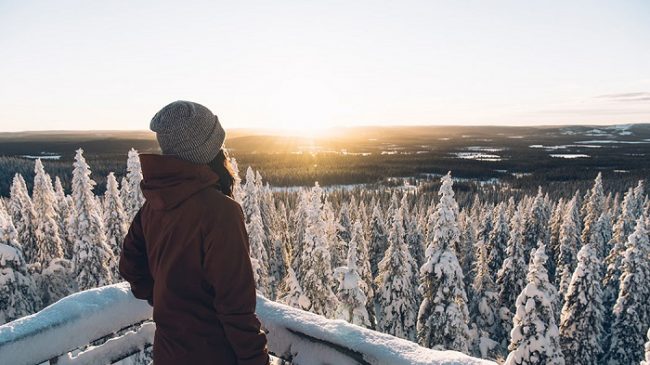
(477, 156)
(569, 155)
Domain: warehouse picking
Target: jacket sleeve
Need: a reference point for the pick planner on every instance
(228, 269)
(134, 263)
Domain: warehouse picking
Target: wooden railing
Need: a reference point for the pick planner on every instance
(107, 324)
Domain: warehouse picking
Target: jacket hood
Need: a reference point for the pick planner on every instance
(169, 181)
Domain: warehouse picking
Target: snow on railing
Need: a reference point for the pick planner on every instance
(107, 324)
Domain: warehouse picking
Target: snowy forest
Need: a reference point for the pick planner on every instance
(549, 278)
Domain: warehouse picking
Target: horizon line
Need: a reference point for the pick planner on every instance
(286, 130)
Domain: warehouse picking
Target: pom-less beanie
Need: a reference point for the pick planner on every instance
(188, 131)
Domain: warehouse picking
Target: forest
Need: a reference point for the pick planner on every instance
(551, 275)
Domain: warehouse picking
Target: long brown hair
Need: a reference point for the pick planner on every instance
(222, 166)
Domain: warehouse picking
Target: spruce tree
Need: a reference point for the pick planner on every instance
(623, 228)
(291, 292)
(534, 337)
(594, 206)
(48, 240)
(63, 210)
(511, 278)
(115, 222)
(555, 225)
(134, 199)
(536, 226)
(498, 240)
(316, 271)
(395, 294)
(258, 252)
(581, 324)
(443, 315)
(378, 239)
(414, 234)
(632, 309)
(363, 266)
(92, 255)
(23, 216)
(484, 305)
(250, 194)
(343, 235)
(351, 292)
(466, 247)
(569, 246)
(18, 295)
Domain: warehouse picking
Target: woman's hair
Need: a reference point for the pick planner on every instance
(221, 165)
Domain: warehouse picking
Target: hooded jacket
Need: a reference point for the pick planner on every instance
(187, 253)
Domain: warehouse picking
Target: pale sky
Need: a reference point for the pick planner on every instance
(79, 64)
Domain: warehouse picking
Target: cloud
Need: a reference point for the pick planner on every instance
(634, 96)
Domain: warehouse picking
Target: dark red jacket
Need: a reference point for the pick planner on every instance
(187, 252)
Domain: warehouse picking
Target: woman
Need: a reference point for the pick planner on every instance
(186, 252)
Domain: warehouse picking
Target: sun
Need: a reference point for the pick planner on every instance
(304, 107)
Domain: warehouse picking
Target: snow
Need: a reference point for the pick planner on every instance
(377, 348)
(49, 157)
(607, 141)
(478, 156)
(569, 155)
(70, 323)
(75, 321)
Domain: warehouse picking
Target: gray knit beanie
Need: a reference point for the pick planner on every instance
(188, 131)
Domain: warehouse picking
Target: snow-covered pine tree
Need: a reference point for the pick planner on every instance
(569, 246)
(18, 295)
(237, 191)
(581, 323)
(351, 292)
(534, 337)
(484, 305)
(443, 315)
(92, 255)
(298, 223)
(632, 308)
(414, 234)
(63, 210)
(134, 199)
(363, 267)
(115, 222)
(601, 235)
(623, 228)
(498, 240)
(316, 270)
(48, 240)
(250, 194)
(291, 293)
(362, 216)
(124, 192)
(269, 223)
(594, 207)
(258, 252)
(343, 235)
(54, 276)
(467, 245)
(23, 217)
(396, 294)
(536, 226)
(378, 239)
(555, 224)
(511, 278)
(639, 195)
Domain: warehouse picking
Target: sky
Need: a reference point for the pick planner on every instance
(306, 65)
